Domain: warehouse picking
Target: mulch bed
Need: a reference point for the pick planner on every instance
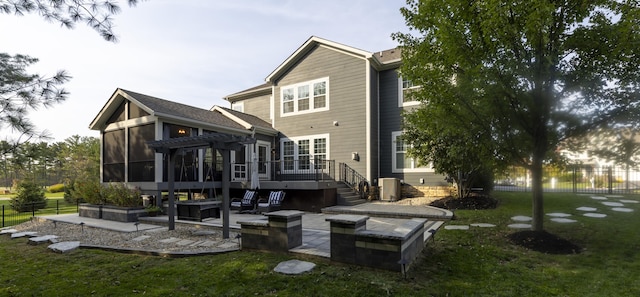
(540, 241)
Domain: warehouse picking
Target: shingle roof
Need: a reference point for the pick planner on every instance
(165, 107)
(390, 55)
(251, 119)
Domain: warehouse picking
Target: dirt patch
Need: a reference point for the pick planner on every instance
(472, 202)
(544, 242)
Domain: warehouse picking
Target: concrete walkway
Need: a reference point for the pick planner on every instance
(315, 238)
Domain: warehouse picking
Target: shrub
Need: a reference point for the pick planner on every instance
(120, 195)
(57, 188)
(30, 196)
(89, 191)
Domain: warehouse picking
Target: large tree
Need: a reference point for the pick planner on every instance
(527, 74)
(21, 91)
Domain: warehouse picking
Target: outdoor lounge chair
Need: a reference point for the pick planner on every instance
(273, 203)
(247, 203)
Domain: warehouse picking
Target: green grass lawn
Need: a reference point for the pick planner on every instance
(55, 205)
(477, 262)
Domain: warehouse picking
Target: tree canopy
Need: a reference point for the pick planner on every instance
(20, 91)
(521, 75)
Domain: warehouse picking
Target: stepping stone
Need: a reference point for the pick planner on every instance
(521, 218)
(65, 246)
(456, 227)
(184, 242)
(141, 238)
(206, 243)
(294, 267)
(196, 243)
(628, 201)
(563, 220)
(170, 240)
(204, 233)
(622, 209)
(23, 234)
(8, 231)
(595, 215)
(616, 204)
(614, 196)
(483, 225)
(41, 239)
(598, 198)
(584, 208)
(558, 215)
(228, 245)
(519, 226)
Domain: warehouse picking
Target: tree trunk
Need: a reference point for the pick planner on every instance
(536, 187)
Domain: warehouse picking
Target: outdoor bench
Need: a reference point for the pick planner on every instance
(197, 210)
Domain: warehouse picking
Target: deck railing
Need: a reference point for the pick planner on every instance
(354, 180)
(286, 170)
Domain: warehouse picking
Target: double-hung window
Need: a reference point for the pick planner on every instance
(305, 97)
(405, 88)
(301, 154)
(400, 161)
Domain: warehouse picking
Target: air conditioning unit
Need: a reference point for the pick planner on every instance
(389, 189)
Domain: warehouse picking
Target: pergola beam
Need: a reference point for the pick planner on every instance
(221, 141)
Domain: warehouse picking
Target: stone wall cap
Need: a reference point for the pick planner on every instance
(258, 222)
(284, 213)
(346, 218)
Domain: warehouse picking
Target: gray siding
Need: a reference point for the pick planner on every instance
(375, 144)
(258, 106)
(347, 95)
(391, 121)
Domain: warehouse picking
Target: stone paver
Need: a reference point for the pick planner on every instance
(483, 225)
(519, 226)
(616, 204)
(563, 220)
(595, 215)
(585, 208)
(43, 239)
(456, 227)
(184, 242)
(622, 209)
(598, 197)
(141, 238)
(64, 246)
(628, 201)
(170, 240)
(294, 267)
(23, 234)
(8, 231)
(558, 215)
(228, 245)
(521, 218)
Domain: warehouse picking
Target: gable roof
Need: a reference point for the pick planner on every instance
(172, 110)
(263, 89)
(310, 44)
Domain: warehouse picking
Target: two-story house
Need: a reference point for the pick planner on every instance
(329, 114)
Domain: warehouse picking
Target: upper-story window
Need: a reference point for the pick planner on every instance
(306, 97)
(405, 87)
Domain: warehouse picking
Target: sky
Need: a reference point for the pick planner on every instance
(190, 51)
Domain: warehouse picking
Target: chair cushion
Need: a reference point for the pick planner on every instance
(235, 204)
(275, 197)
(248, 197)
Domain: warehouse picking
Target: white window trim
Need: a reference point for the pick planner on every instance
(311, 99)
(311, 138)
(237, 106)
(414, 163)
(401, 102)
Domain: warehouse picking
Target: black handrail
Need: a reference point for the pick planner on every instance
(354, 180)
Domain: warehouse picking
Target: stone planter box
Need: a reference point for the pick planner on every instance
(112, 213)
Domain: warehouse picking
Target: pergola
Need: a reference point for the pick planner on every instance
(220, 141)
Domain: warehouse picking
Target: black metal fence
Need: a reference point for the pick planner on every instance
(575, 179)
(11, 217)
